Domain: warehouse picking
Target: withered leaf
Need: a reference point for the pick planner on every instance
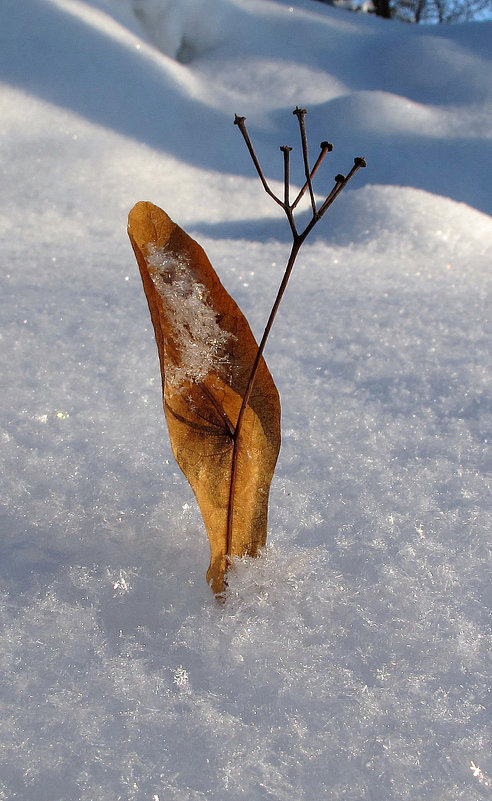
(206, 352)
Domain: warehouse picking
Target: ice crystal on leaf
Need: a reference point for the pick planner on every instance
(203, 344)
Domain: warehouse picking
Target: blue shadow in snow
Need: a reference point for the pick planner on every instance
(57, 57)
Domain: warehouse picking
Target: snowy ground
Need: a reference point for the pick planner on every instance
(350, 661)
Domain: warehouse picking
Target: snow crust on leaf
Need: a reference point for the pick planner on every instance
(203, 344)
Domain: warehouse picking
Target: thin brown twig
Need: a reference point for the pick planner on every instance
(325, 147)
(240, 122)
(286, 204)
(341, 183)
(286, 150)
(300, 113)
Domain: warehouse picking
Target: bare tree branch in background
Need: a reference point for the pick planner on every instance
(431, 11)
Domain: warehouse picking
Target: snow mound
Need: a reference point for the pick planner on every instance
(184, 29)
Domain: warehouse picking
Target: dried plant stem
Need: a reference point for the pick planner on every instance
(298, 238)
(249, 388)
(300, 114)
(240, 121)
(326, 147)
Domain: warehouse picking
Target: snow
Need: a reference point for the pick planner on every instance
(350, 660)
(203, 345)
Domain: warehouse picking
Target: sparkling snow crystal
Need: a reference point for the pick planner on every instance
(202, 342)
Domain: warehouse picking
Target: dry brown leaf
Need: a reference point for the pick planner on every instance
(206, 351)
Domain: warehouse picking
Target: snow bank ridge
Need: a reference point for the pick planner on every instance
(182, 29)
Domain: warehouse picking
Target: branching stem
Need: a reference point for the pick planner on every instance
(298, 238)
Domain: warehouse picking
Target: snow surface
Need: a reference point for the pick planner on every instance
(350, 661)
